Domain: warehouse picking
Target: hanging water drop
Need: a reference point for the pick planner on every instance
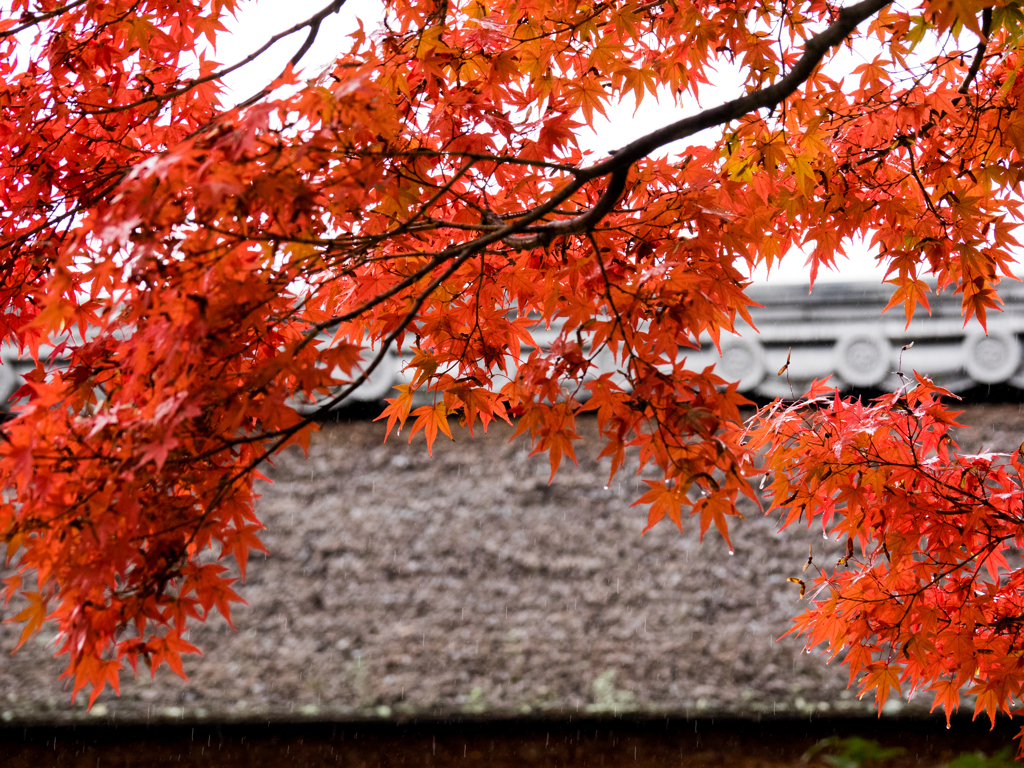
(732, 551)
(606, 487)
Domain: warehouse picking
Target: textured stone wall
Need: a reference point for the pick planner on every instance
(401, 585)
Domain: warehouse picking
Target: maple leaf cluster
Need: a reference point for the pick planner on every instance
(206, 279)
(925, 597)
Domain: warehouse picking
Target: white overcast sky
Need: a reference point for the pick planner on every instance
(258, 21)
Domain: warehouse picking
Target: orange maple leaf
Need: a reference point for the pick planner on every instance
(431, 419)
(664, 500)
(882, 679)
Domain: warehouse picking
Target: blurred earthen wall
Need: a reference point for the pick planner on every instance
(401, 585)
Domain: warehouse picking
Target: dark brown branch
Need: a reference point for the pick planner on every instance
(36, 19)
(313, 22)
(979, 53)
(314, 28)
(765, 98)
(618, 164)
(541, 236)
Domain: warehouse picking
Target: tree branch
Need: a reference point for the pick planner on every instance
(765, 98)
(314, 27)
(33, 20)
(313, 22)
(618, 164)
(979, 53)
(542, 235)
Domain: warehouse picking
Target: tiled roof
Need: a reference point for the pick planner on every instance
(839, 330)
